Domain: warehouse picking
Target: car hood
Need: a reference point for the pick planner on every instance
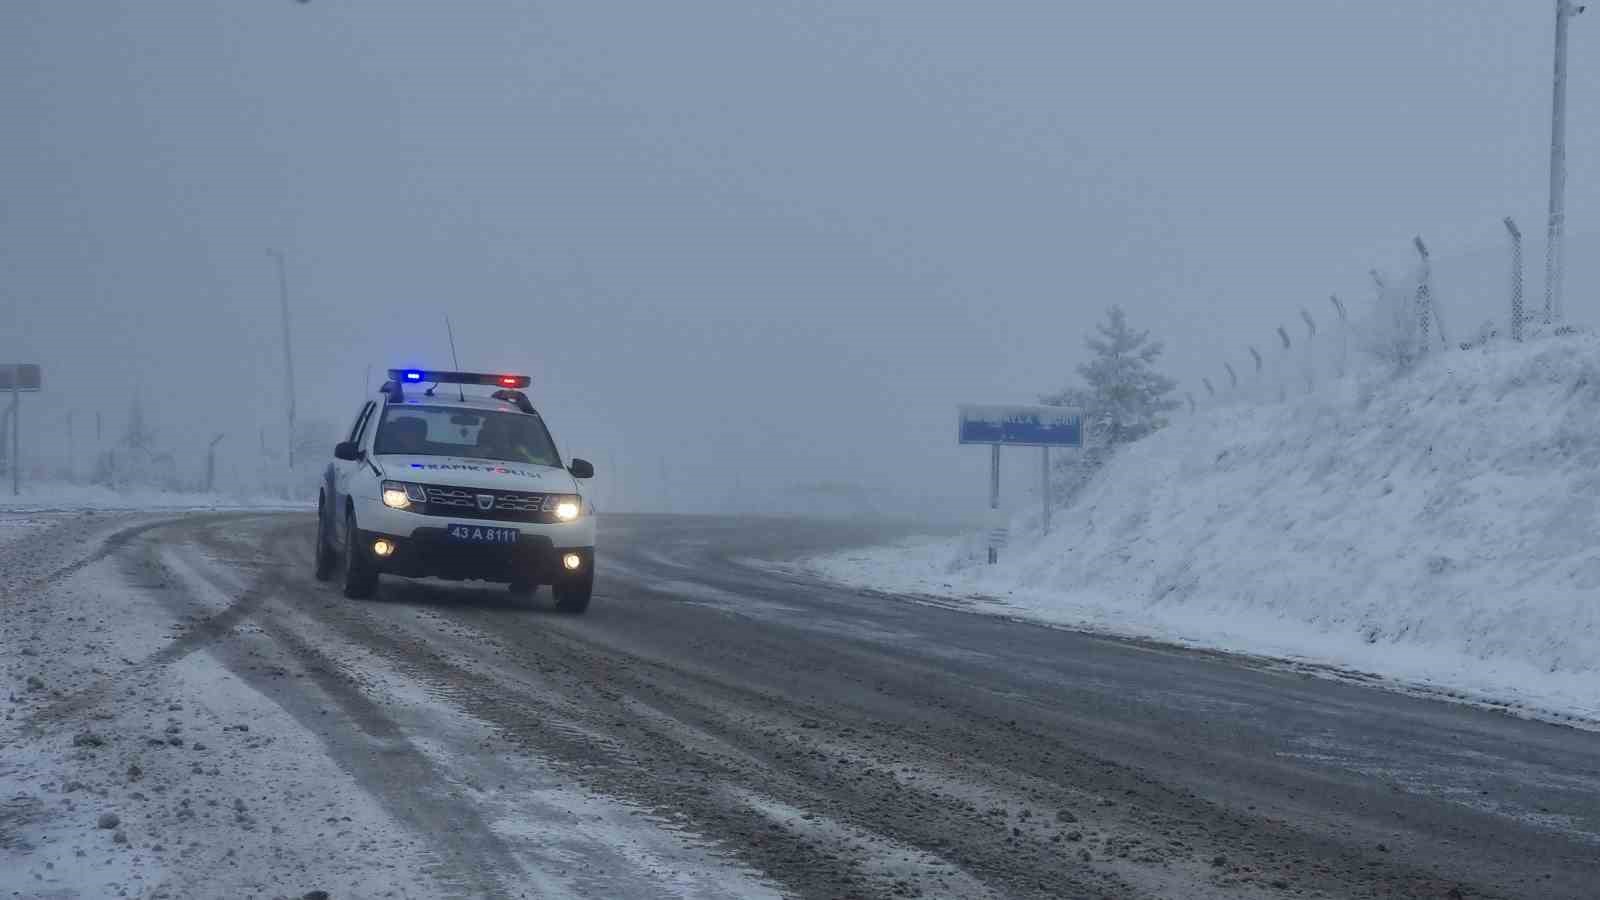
(477, 473)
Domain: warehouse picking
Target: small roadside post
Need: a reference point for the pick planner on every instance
(1001, 425)
(16, 378)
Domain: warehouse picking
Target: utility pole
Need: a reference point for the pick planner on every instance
(666, 485)
(288, 354)
(1553, 268)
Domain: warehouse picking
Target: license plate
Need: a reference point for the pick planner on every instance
(479, 534)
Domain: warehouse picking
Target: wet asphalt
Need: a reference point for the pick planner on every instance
(845, 743)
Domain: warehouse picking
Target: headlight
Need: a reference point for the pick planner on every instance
(400, 496)
(566, 506)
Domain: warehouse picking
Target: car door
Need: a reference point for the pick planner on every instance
(341, 471)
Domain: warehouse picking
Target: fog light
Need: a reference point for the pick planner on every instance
(382, 548)
(572, 561)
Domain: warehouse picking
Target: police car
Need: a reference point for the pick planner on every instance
(435, 482)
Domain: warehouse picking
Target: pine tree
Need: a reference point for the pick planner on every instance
(1123, 397)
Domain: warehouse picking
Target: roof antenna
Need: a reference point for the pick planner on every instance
(456, 360)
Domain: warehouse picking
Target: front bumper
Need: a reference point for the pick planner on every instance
(422, 549)
(430, 553)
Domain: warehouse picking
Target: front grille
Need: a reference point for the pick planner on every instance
(509, 506)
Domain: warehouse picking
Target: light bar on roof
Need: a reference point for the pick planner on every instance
(431, 376)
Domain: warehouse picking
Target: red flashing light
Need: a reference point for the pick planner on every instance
(416, 376)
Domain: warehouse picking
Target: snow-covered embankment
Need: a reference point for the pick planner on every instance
(1438, 528)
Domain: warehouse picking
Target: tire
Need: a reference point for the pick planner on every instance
(360, 578)
(572, 594)
(327, 559)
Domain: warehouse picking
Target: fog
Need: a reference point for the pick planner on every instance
(742, 248)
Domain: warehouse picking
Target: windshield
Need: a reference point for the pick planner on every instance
(468, 433)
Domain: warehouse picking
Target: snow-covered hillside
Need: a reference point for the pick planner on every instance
(1438, 528)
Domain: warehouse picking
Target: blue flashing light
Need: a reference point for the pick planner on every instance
(413, 376)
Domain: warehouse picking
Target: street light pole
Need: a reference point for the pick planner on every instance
(211, 463)
(288, 355)
(1553, 268)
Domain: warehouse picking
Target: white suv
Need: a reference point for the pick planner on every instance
(439, 483)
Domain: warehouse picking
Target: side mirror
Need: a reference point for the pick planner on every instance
(347, 451)
(581, 468)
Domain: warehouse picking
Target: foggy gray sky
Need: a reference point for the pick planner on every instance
(769, 242)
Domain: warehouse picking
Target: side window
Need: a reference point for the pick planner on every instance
(367, 423)
(361, 421)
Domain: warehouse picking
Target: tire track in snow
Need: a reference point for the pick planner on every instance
(406, 782)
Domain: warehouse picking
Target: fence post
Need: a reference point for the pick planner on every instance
(1516, 278)
(1210, 391)
(1424, 294)
(1344, 331)
(1233, 377)
(1283, 392)
(1311, 349)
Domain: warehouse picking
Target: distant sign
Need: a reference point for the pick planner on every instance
(27, 377)
(1020, 426)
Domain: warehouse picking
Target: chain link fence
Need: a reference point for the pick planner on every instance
(1448, 299)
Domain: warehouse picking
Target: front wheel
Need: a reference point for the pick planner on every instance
(572, 592)
(327, 559)
(360, 578)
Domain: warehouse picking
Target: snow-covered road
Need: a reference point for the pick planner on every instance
(711, 729)
(184, 731)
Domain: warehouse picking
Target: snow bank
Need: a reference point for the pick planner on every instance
(1438, 528)
(61, 495)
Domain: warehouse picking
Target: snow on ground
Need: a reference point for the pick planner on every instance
(1438, 529)
(568, 841)
(123, 775)
(15, 527)
(43, 496)
(134, 763)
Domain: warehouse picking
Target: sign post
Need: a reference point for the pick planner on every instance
(997, 532)
(16, 432)
(1044, 488)
(1020, 426)
(17, 378)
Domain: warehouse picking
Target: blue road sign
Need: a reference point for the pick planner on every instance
(1020, 426)
(25, 375)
